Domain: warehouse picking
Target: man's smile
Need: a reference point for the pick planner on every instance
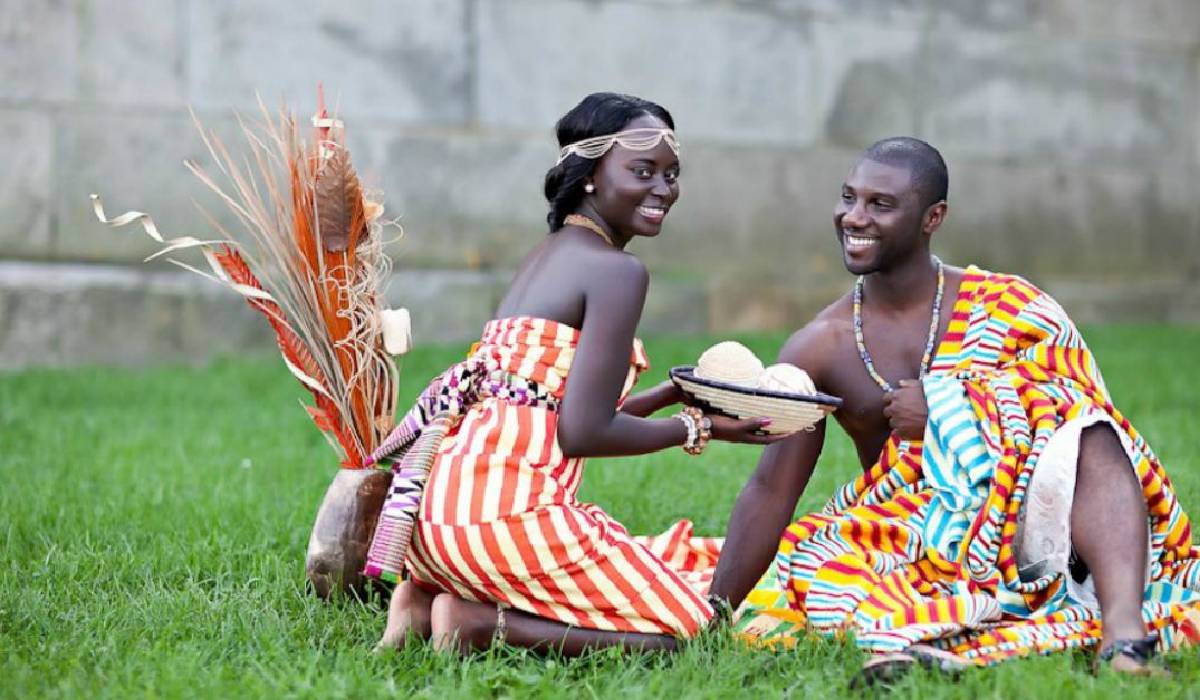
(857, 242)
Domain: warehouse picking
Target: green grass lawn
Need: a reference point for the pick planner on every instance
(153, 527)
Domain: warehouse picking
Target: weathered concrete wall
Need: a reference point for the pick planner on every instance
(1070, 127)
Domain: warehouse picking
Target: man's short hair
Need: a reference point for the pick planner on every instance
(928, 169)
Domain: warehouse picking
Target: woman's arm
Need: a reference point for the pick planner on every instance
(589, 424)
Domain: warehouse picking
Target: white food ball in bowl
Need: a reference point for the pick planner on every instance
(788, 378)
(731, 362)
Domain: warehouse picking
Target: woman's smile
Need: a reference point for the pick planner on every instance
(653, 213)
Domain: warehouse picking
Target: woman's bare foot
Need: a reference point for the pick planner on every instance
(462, 625)
(408, 613)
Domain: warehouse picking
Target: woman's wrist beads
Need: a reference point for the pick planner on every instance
(699, 429)
(693, 430)
(705, 433)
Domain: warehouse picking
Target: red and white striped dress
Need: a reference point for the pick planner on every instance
(499, 521)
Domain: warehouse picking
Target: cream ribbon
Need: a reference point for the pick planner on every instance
(218, 273)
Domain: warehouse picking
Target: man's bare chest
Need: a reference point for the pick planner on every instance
(895, 354)
(861, 413)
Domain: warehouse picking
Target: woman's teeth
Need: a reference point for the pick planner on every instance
(655, 213)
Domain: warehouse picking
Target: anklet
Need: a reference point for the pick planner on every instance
(501, 626)
(722, 610)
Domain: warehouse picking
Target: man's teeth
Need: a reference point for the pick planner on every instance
(859, 241)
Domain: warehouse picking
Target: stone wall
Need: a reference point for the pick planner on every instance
(1070, 127)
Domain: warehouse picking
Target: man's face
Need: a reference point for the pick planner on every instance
(878, 218)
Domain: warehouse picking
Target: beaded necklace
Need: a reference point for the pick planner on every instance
(927, 358)
(584, 222)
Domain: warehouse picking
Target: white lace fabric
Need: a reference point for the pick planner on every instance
(1043, 543)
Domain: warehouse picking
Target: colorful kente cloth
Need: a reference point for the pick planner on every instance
(921, 547)
(494, 499)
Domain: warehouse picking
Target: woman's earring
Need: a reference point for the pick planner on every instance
(589, 188)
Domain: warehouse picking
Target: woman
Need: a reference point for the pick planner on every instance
(501, 550)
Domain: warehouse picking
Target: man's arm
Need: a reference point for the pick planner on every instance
(763, 509)
(646, 402)
(767, 501)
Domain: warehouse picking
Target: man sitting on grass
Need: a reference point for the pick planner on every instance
(1006, 506)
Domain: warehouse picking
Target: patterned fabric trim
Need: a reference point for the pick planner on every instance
(393, 531)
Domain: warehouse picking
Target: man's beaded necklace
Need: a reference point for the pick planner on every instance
(927, 358)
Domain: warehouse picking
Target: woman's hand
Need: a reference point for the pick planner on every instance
(906, 410)
(748, 431)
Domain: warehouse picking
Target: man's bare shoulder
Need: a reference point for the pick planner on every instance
(813, 346)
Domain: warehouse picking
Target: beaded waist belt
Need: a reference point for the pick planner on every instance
(516, 390)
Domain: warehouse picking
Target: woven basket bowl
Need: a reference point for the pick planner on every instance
(788, 412)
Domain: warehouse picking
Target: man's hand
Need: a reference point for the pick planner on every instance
(906, 409)
(656, 397)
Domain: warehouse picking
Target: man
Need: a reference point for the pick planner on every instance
(1006, 506)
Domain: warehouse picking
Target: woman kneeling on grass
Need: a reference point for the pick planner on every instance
(501, 550)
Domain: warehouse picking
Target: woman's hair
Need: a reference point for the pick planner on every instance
(598, 114)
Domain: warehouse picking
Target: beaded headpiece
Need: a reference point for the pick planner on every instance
(642, 139)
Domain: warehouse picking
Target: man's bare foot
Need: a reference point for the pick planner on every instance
(885, 669)
(1131, 656)
(408, 613)
(462, 625)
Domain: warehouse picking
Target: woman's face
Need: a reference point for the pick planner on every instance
(635, 189)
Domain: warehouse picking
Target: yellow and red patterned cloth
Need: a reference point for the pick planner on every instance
(922, 546)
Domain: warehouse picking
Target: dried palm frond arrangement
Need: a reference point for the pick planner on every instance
(309, 256)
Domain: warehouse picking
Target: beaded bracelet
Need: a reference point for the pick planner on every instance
(703, 430)
(693, 430)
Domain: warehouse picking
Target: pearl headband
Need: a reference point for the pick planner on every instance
(643, 139)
